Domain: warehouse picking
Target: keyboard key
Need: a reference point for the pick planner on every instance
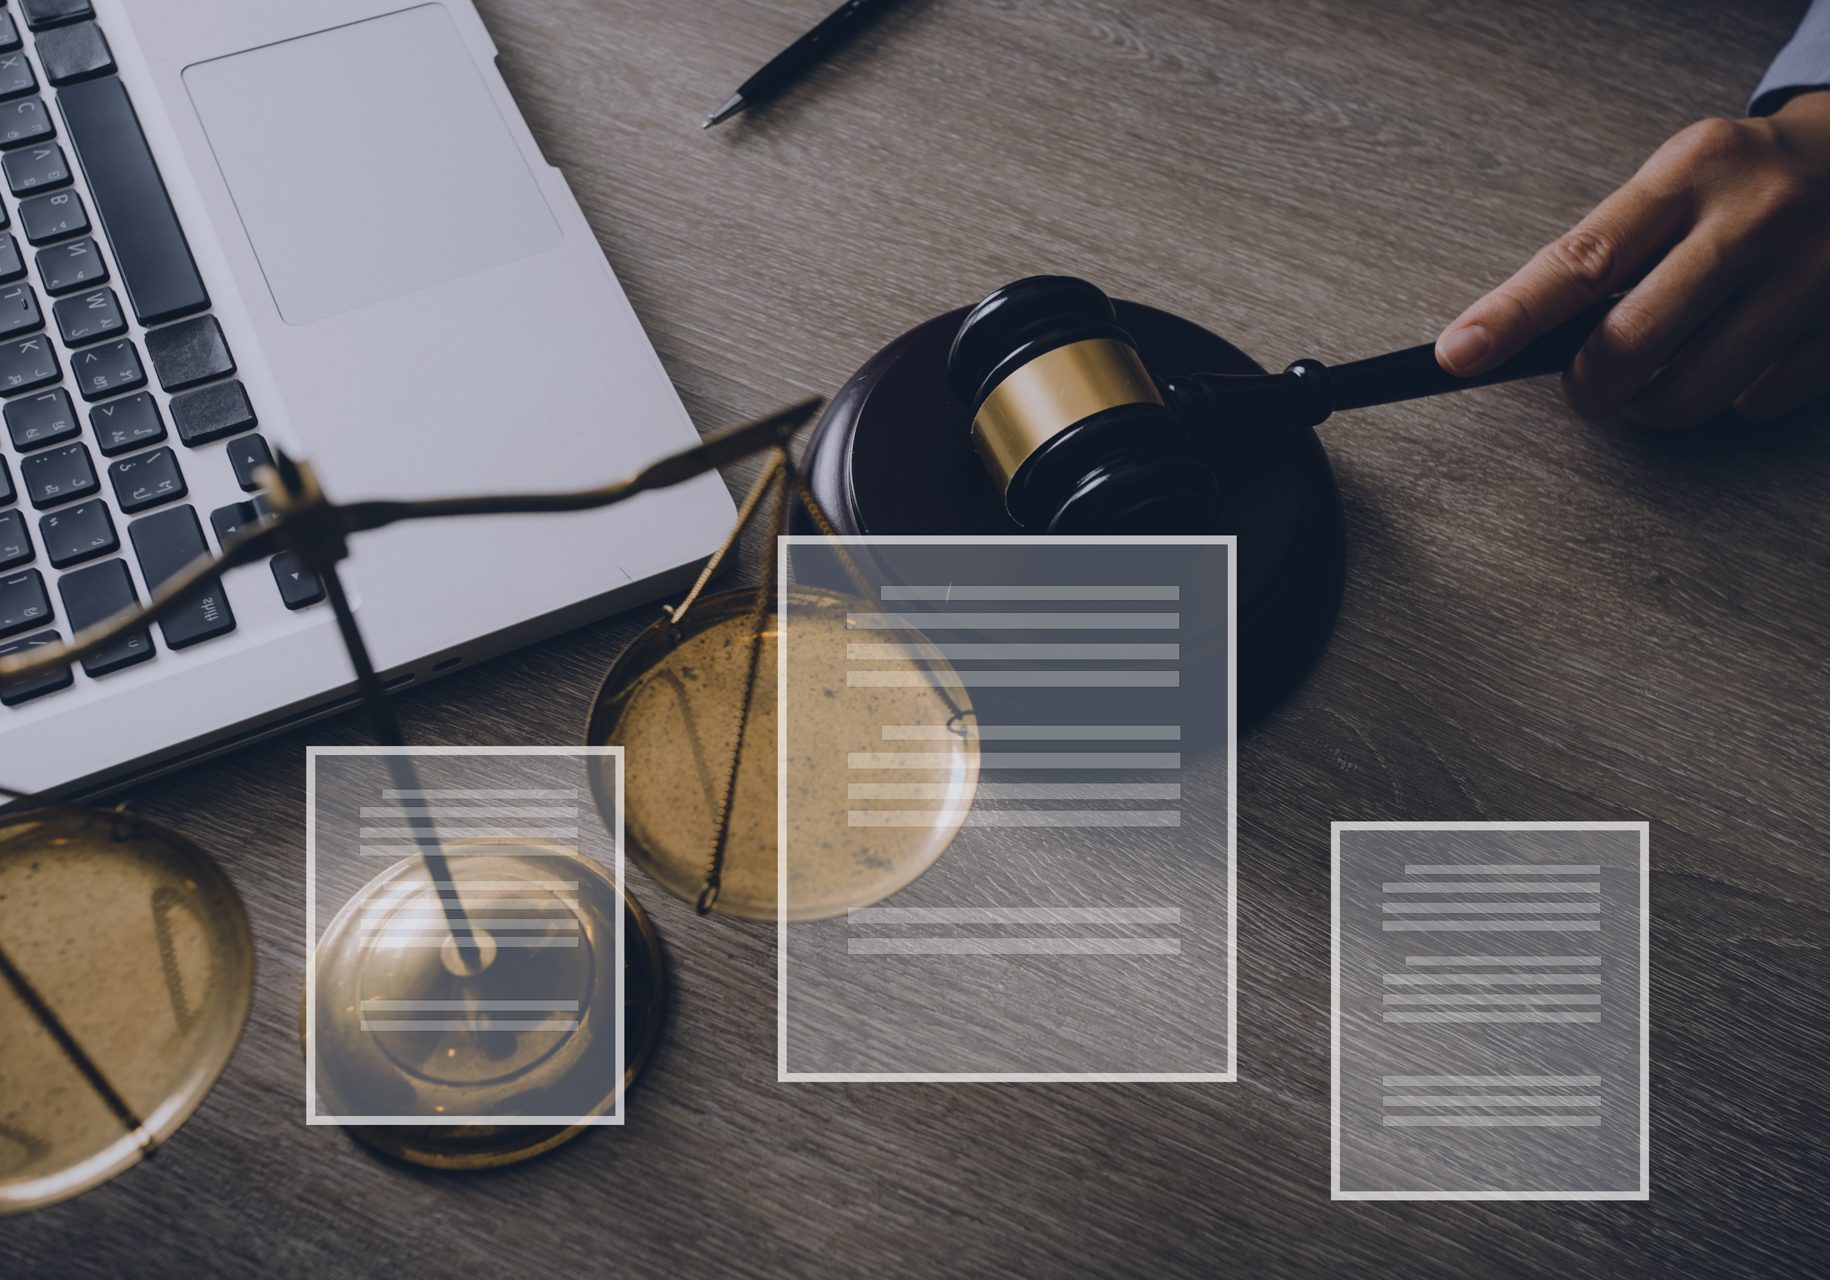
(167, 542)
(23, 602)
(127, 423)
(41, 168)
(26, 364)
(24, 122)
(298, 588)
(74, 53)
(9, 34)
(209, 413)
(53, 216)
(147, 479)
(19, 311)
(74, 265)
(231, 521)
(46, 418)
(58, 475)
(107, 369)
(89, 317)
(40, 14)
(189, 352)
(24, 688)
(157, 271)
(6, 484)
(78, 533)
(15, 542)
(12, 266)
(16, 75)
(94, 595)
(248, 455)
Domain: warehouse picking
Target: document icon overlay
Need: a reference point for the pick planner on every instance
(464, 932)
(1006, 809)
(1490, 1038)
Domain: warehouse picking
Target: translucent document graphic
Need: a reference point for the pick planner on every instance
(1490, 1038)
(482, 986)
(1006, 781)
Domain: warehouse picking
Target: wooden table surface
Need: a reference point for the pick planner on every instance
(1543, 620)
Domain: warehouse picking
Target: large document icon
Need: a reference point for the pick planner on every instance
(1490, 1011)
(1007, 815)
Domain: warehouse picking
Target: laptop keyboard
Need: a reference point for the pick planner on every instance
(96, 472)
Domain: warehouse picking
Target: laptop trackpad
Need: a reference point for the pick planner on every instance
(368, 161)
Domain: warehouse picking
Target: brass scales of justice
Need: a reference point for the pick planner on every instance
(126, 954)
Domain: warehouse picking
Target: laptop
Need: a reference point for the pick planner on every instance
(240, 226)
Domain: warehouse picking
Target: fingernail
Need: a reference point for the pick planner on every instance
(1459, 350)
(1757, 404)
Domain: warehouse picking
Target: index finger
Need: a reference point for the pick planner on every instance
(1587, 263)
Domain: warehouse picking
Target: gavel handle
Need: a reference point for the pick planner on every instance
(1413, 372)
(1308, 391)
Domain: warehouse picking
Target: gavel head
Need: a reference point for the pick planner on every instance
(1069, 422)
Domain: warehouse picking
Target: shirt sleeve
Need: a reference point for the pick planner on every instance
(1803, 64)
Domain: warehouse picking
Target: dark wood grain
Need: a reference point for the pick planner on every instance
(1544, 620)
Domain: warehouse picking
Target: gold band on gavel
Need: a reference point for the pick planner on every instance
(1051, 393)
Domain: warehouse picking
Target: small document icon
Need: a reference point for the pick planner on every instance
(1490, 1011)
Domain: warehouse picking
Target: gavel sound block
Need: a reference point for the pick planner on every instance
(893, 454)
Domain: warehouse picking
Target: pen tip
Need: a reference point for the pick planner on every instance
(732, 105)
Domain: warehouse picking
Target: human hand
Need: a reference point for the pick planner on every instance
(1722, 242)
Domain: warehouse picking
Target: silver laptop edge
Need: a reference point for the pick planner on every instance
(452, 374)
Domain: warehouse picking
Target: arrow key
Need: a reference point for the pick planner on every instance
(298, 588)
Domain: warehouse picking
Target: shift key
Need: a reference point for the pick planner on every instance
(168, 543)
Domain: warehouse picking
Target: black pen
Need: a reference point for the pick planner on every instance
(791, 63)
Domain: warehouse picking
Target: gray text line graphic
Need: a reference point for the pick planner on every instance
(1015, 817)
(1015, 915)
(481, 793)
(1037, 732)
(438, 940)
(451, 852)
(1015, 651)
(1053, 591)
(1495, 997)
(464, 1006)
(1576, 1082)
(1493, 1100)
(1490, 1110)
(469, 1024)
(1484, 1016)
(1493, 979)
(402, 919)
(1017, 791)
(474, 904)
(492, 886)
(1497, 908)
(1503, 869)
(940, 621)
(1493, 1122)
(1013, 946)
(1018, 760)
(1491, 926)
(471, 833)
(855, 679)
(1488, 886)
(447, 812)
(1489, 961)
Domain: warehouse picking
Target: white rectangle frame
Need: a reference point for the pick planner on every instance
(1228, 1076)
(1644, 1190)
(312, 754)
